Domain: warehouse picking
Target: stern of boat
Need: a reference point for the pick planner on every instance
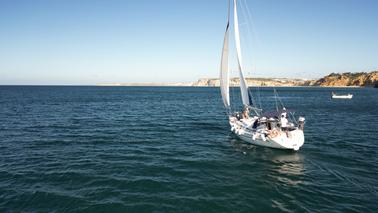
(291, 139)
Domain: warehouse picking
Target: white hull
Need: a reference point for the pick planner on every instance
(292, 140)
(349, 96)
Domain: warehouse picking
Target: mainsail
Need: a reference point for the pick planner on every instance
(224, 72)
(243, 83)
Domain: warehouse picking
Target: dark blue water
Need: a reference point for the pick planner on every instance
(164, 149)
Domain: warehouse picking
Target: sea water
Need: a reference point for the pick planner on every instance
(169, 149)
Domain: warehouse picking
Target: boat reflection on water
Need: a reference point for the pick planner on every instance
(284, 166)
(289, 167)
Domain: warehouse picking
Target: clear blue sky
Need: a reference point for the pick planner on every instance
(91, 41)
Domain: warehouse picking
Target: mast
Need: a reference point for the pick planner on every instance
(243, 83)
(224, 71)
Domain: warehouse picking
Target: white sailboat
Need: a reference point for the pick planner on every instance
(337, 96)
(275, 130)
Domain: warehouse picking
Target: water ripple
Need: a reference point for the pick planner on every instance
(106, 149)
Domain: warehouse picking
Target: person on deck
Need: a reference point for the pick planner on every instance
(283, 120)
(255, 123)
(245, 114)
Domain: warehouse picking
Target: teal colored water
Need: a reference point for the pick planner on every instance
(164, 149)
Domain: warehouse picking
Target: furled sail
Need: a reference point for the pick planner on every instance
(243, 83)
(224, 72)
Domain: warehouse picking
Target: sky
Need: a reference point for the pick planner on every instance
(85, 42)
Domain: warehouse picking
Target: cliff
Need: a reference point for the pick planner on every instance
(360, 79)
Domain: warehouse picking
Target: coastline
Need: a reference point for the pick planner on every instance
(334, 80)
(164, 85)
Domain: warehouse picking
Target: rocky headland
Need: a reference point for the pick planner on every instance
(360, 79)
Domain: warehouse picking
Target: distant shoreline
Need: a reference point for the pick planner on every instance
(333, 80)
(361, 79)
(218, 86)
(100, 85)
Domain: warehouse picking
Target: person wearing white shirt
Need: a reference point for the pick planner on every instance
(283, 120)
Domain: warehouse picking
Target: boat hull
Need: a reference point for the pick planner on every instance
(291, 140)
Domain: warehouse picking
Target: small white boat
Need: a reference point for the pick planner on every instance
(275, 130)
(336, 96)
